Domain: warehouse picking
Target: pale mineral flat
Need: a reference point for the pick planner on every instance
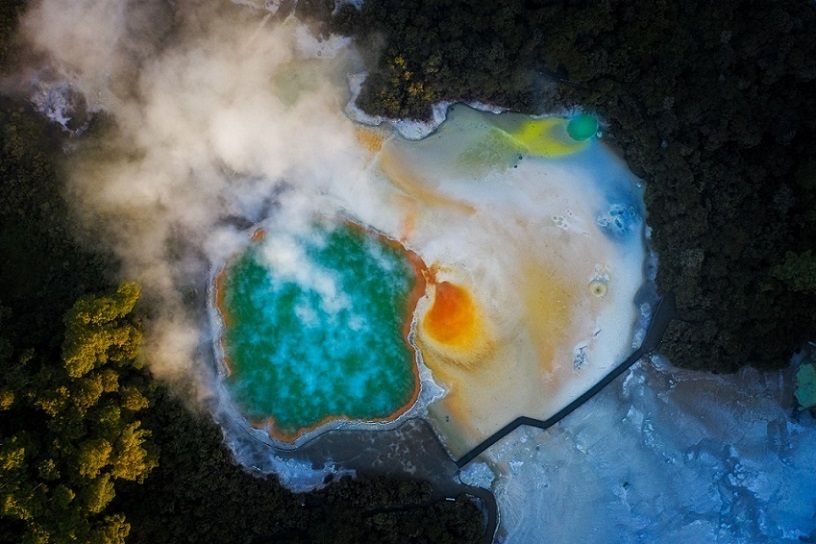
(534, 250)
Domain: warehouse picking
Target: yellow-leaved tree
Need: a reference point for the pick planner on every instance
(69, 429)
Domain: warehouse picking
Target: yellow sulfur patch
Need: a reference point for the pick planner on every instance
(494, 150)
(546, 137)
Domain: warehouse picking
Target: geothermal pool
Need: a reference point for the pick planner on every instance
(507, 266)
(321, 336)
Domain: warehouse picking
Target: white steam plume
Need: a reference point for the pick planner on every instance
(207, 129)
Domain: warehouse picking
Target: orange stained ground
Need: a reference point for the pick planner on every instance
(403, 176)
(481, 370)
(452, 319)
(548, 298)
(371, 139)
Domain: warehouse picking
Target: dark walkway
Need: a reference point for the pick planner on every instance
(663, 314)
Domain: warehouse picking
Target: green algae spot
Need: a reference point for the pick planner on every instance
(325, 341)
(806, 385)
(582, 127)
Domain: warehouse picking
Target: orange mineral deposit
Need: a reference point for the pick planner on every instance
(452, 320)
(370, 139)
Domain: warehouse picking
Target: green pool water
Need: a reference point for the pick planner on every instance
(582, 127)
(321, 339)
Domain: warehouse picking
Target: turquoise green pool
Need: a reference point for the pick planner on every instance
(323, 338)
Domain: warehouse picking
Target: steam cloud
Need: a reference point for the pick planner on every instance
(216, 117)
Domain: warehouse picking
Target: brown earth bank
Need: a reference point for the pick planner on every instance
(713, 104)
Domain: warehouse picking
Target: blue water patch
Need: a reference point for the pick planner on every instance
(621, 216)
(619, 221)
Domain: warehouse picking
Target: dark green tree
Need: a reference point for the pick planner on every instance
(798, 271)
(9, 11)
